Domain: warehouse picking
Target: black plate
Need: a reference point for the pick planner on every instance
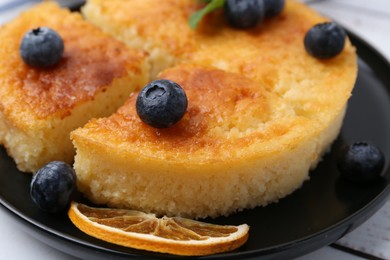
(319, 213)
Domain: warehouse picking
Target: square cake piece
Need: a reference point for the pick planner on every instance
(39, 107)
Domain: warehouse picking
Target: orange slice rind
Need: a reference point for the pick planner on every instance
(173, 235)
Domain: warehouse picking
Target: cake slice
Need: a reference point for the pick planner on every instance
(40, 106)
(238, 146)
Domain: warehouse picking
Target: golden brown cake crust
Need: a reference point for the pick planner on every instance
(271, 54)
(88, 66)
(223, 119)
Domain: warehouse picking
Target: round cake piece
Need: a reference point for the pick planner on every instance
(261, 112)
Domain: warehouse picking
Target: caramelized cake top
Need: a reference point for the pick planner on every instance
(92, 60)
(250, 92)
(226, 115)
(271, 54)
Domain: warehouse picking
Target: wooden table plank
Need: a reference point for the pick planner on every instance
(373, 237)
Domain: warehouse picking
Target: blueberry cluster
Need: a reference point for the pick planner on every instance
(248, 13)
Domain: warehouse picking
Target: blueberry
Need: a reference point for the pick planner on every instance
(273, 7)
(325, 40)
(360, 162)
(41, 47)
(244, 13)
(52, 186)
(161, 103)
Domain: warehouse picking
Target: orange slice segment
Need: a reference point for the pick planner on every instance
(144, 231)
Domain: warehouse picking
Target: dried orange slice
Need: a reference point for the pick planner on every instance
(140, 230)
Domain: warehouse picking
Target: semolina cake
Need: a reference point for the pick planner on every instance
(40, 106)
(261, 112)
(238, 146)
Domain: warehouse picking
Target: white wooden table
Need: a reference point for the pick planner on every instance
(368, 19)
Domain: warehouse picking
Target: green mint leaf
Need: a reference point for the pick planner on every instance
(198, 16)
